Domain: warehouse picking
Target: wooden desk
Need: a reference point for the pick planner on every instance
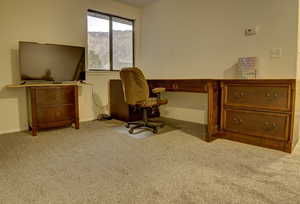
(209, 86)
(259, 112)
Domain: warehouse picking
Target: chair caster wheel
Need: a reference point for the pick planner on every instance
(130, 131)
(155, 131)
(127, 125)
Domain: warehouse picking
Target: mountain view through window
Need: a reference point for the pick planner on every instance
(110, 42)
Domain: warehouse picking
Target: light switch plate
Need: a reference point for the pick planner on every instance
(276, 53)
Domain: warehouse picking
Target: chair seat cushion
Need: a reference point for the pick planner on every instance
(150, 102)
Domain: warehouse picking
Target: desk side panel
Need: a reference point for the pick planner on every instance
(296, 125)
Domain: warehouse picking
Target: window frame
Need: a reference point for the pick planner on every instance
(111, 49)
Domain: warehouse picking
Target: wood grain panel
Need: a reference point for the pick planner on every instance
(53, 106)
(261, 124)
(46, 95)
(55, 113)
(272, 97)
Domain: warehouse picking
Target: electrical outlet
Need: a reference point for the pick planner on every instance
(251, 31)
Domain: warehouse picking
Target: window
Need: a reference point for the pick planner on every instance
(110, 42)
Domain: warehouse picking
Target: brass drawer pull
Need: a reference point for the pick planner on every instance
(174, 86)
(270, 126)
(237, 121)
(239, 94)
(270, 95)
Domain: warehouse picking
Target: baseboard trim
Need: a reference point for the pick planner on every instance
(26, 129)
(12, 131)
(87, 119)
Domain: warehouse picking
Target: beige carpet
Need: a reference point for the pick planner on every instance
(100, 163)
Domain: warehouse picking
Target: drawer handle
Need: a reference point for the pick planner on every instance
(270, 126)
(237, 121)
(239, 94)
(270, 95)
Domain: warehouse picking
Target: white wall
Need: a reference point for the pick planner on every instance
(180, 39)
(205, 38)
(51, 21)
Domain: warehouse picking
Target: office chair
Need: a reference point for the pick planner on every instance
(136, 93)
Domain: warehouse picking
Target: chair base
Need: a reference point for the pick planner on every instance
(152, 125)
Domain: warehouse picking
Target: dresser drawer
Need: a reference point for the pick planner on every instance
(46, 96)
(273, 97)
(55, 95)
(55, 113)
(261, 124)
(66, 95)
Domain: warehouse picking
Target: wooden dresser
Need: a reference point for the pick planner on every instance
(52, 106)
(258, 112)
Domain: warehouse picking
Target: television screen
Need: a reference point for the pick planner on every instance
(48, 62)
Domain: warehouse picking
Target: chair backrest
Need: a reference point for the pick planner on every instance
(135, 86)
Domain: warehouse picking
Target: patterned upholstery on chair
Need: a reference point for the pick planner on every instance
(135, 86)
(136, 92)
(136, 89)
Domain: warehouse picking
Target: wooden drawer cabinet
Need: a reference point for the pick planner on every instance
(53, 106)
(259, 112)
(54, 95)
(45, 96)
(55, 113)
(265, 96)
(260, 124)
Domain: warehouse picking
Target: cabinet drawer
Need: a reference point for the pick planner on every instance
(162, 83)
(55, 113)
(274, 97)
(55, 95)
(181, 85)
(66, 95)
(191, 85)
(46, 96)
(267, 125)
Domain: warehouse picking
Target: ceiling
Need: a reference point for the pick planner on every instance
(137, 3)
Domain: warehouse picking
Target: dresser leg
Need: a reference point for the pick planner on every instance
(213, 110)
(77, 124)
(34, 131)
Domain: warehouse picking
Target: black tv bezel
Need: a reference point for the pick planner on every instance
(45, 81)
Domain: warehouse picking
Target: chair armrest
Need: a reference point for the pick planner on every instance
(158, 90)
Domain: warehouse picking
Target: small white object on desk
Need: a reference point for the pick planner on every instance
(247, 67)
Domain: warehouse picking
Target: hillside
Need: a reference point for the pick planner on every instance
(98, 50)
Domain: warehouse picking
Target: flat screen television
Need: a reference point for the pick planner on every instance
(49, 62)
